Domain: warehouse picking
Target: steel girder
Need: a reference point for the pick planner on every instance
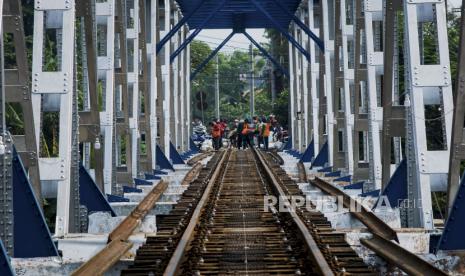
(429, 84)
(89, 117)
(54, 91)
(105, 16)
(17, 81)
(458, 139)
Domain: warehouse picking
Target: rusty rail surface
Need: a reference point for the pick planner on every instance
(276, 157)
(175, 260)
(198, 158)
(118, 245)
(302, 173)
(323, 268)
(192, 174)
(368, 218)
(382, 236)
(400, 257)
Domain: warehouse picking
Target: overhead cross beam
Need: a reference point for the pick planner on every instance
(266, 54)
(197, 31)
(211, 56)
(178, 26)
(280, 28)
(304, 27)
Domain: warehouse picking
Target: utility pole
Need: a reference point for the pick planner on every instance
(272, 85)
(217, 89)
(252, 83)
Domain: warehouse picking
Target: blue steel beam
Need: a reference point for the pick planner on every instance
(197, 31)
(265, 53)
(212, 55)
(281, 29)
(178, 26)
(297, 20)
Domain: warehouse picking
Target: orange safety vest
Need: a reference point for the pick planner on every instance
(216, 131)
(245, 130)
(266, 130)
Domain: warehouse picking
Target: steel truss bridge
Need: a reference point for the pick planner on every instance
(365, 96)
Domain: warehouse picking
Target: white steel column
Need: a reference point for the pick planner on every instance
(53, 91)
(132, 36)
(106, 75)
(328, 14)
(429, 84)
(188, 94)
(305, 88)
(314, 76)
(374, 12)
(292, 112)
(166, 77)
(175, 80)
(153, 79)
(182, 96)
(297, 91)
(348, 35)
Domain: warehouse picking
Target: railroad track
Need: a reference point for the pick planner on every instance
(222, 228)
(384, 241)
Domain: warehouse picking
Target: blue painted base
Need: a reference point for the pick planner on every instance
(31, 235)
(452, 236)
(355, 186)
(174, 155)
(326, 170)
(127, 189)
(396, 190)
(143, 182)
(309, 153)
(162, 160)
(374, 193)
(114, 198)
(346, 178)
(322, 158)
(5, 264)
(90, 195)
(333, 174)
(159, 172)
(152, 177)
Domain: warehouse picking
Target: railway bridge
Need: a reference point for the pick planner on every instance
(376, 123)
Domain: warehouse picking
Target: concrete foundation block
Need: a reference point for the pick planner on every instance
(102, 223)
(135, 197)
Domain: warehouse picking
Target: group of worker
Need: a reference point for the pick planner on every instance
(243, 133)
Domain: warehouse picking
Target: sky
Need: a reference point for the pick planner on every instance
(237, 42)
(240, 42)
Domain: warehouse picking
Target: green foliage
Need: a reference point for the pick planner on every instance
(281, 107)
(234, 92)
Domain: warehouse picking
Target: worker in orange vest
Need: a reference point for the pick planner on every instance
(246, 134)
(265, 132)
(216, 135)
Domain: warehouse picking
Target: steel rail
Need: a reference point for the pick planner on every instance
(302, 173)
(198, 158)
(322, 266)
(176, 258)
(192, 174)
(394, 254)
(382, 236)
(368, 218)
(118, 245)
